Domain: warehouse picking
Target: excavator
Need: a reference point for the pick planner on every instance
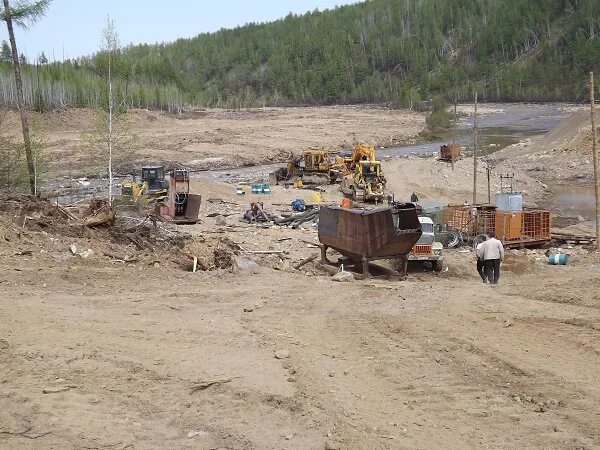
(362, 178)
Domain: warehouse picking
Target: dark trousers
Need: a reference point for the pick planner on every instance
(481, 268)
(492, 270)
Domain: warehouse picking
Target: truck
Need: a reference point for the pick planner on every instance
(426, 248)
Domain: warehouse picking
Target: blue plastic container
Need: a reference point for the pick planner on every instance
(558, 259)
(266, 188)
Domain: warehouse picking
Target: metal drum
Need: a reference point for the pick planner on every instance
(558, 259)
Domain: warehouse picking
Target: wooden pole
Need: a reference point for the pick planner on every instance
(475, 152)
(454, 131)
(596, 162)
(488, 180)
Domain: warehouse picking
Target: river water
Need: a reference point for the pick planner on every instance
(499, 125)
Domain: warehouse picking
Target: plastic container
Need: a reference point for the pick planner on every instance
(266, 188)
(558, 259)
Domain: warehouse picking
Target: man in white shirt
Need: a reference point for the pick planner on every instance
(480, 261)
(492, 253)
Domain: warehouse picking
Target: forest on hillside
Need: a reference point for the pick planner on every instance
(399, 52)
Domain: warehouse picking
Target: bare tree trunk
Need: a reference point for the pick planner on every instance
(596, 162)
(475, 153)
(20, 99)
(110, 118)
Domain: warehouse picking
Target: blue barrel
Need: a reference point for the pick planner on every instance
(256, 188)
(266, 188)
(558, 259)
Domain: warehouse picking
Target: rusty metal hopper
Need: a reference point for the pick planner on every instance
(370, 234)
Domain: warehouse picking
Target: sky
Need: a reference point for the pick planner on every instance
(74, 27)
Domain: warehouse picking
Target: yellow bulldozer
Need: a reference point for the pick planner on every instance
(312, 167)
(152, 184)
(363, 179)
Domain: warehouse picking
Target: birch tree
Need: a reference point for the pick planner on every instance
(109, 137)
(23, 14)
(110, 45)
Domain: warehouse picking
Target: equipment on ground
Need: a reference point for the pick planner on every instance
(450, 153)
(366, 183)
(362, 178)
(152, 184)
(364, 235)
(426, 248)
(312, 167)
(182, 207)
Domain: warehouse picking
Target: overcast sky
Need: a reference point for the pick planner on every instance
(73, 27)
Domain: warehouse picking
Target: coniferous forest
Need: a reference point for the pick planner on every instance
(400, 52)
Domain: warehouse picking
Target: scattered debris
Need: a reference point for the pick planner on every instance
(282, 354)
(256, 213)
(343, 276)
(202, 385)
(192, 434)
(99, 213)
(57, 389)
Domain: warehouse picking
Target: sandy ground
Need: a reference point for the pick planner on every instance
(226, 138)
(436, 361)
(96, 353)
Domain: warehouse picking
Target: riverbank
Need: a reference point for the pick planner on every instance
(216, 139)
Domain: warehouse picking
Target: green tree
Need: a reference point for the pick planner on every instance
(5, 53)
(22, 14)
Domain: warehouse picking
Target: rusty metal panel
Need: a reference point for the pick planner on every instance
(367, 234)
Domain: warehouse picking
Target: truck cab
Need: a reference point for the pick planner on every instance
(426, 248)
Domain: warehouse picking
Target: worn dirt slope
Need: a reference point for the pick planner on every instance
(563, 155)
(429, 363)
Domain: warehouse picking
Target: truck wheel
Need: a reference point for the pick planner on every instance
(438, 266)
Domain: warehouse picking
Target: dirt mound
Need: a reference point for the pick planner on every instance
(34, 225)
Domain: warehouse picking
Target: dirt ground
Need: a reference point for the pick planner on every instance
(96, 352)
(214, 138)
(435, 361)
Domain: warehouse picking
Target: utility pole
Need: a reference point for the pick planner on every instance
(488, 180)
(596, 162)
(475, 152)
(454, 131)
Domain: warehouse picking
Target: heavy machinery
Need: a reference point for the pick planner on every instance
(171, 198)
(313, 167)
(180, 206)
(426, 248)
(363, 180)
(152, 184)
(347, 165)
(365, 235)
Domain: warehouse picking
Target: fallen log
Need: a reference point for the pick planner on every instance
(306, 261)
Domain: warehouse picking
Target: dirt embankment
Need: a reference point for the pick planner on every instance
(563, 155)
(228, 138)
